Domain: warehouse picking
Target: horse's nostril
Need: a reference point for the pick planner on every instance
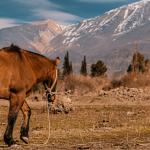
(50, 97)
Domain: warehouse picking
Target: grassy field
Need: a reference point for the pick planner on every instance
(87, 127)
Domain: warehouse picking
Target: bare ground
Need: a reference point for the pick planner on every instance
(113, 120)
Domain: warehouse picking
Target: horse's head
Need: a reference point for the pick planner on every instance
(50, 86)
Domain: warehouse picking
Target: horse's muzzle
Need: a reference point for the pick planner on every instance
(50, 97)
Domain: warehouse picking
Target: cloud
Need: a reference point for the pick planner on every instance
(45, 4)
(101, 1)
(7, 22)
(45, 9)
(59, 16)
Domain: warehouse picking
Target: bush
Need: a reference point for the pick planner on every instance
(136, 80)
(114, 83)
(83, 84)
(98, 69)
(138, 64)
(132, 80)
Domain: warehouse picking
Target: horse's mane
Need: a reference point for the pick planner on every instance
(13, 48)
(17, 49)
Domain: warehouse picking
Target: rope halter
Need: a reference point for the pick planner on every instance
(49, 94)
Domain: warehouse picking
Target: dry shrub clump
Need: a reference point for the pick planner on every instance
(136, 80)
(114, 83)
(131, 80)
(83, 84)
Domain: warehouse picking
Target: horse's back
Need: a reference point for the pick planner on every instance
(10, 62)
(14, 70)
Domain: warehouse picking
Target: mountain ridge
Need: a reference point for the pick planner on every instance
(100, 37)
(109, 37)
(34, 36)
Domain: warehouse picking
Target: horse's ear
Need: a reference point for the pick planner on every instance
(57, 61)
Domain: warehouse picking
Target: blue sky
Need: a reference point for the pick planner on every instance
(15, 12)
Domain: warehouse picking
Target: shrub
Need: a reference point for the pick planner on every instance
(83, 84)
(136, 80)
(138, 64)
(98, 69)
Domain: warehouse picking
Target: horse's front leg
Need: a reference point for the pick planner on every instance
(16, 101)
(25, 124)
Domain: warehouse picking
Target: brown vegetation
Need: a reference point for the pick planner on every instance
(132, 80)
(83, 84)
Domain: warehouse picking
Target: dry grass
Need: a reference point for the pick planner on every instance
(82, 84)
(131, 80)
(104, 124)
(136, 80)
(94, 127)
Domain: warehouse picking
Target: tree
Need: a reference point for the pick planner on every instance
(138, 63)
(130, 69)
(67, 65)
(83, 69)
(147, 65)
(98, 69)
(71, 69)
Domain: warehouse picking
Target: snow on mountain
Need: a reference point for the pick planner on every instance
(122, 20)
(102, 37)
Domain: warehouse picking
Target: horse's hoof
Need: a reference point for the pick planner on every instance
(15, 146)
(24, 139)
(9, 141)
(12, 143)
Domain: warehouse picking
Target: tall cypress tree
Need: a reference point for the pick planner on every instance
(67, 65)
(71, 69)
(83, 69)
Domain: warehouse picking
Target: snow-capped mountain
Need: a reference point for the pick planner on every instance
(118, 21)
(34, 36)
(109, 37)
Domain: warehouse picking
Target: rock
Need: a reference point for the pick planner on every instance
(130, 113)
(63, 104)
(2, 123)
(102, 93)
(123, 93)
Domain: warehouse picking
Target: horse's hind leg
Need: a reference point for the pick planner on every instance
(16, 102)
(25, 125)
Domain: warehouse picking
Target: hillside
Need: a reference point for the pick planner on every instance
(110, 37)
(34, 36)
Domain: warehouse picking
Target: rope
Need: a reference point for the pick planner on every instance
(54, 81)
(49, 128)
(49, 123)
(51, 88)
(48, 109)
(48, 112)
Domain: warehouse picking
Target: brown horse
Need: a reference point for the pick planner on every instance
(20, 70)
